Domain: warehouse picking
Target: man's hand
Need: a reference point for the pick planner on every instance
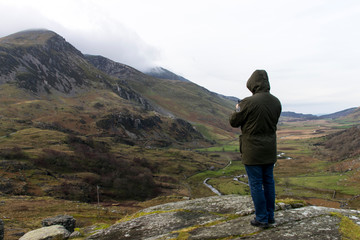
(237, 107)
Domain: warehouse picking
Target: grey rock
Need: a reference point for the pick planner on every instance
(217, 204)
(67, 221)
(54, 232)
(75, 234)
(226, 216)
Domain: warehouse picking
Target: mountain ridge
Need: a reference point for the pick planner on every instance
(335, 115)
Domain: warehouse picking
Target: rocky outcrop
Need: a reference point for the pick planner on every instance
(54, 228)
(55, 232)
(227, 217)
(161, 131)
(66, 221)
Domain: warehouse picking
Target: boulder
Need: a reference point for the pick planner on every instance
(226, 217)
(54, 232)
(67, 221)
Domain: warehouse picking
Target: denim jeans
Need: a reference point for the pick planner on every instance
(262, 187)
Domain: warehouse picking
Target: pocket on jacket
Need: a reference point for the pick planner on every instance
(240, 143)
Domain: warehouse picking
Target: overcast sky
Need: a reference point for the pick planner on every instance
(310, 49)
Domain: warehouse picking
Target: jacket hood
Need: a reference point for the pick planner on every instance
(258, 82)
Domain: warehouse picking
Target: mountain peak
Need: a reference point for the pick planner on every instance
(41, 60)
(29, 37)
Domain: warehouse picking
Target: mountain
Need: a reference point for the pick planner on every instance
(163, 73)
(79, 126)
(208, 111)
(41, 61)
(43, 66)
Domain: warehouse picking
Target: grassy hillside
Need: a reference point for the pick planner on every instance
(192, 102)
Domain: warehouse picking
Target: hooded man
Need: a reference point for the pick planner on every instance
(257, 116)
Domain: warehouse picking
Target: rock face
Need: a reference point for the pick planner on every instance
(227, 217)
(55, 232)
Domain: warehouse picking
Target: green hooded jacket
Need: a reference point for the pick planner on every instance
(257, 118)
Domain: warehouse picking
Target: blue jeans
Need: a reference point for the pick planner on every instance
(262, 187)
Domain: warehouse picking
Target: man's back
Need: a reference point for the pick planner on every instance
(258, 117)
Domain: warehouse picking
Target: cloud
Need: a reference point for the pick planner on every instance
(91, 32)
(309, 48)
(123, 46)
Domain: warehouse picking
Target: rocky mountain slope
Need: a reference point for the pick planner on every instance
(208, 111)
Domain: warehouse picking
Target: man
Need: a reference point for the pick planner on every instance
(257, 116)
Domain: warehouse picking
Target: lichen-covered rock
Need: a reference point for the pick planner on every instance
(229, 217)
(217, 204)
(55, 232)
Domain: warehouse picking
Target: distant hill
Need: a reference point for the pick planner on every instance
(298, 116)
(336, 115)
(343, 144)
(163, 73)
(343, 113)
(355, 115)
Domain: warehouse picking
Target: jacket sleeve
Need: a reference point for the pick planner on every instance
(237, 118)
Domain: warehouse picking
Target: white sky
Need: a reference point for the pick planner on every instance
(310, 49)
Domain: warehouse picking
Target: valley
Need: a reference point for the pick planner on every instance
(86, 136)
(305, 169)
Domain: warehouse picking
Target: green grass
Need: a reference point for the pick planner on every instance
(229, 186)
(348, 229)
(33, 138)
(327, 182)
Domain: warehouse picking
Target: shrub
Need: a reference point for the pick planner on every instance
(95, 165)
(54, 160)
(13, 153)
